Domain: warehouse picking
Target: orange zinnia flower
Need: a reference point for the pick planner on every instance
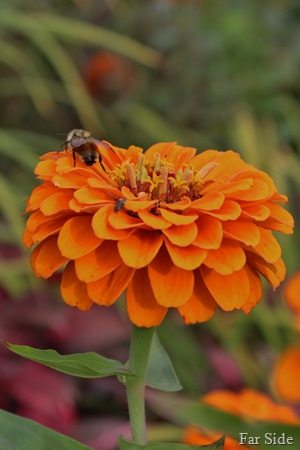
(286, 375)
(249, 405)
(174, 229)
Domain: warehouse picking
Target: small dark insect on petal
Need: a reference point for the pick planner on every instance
(119, 204)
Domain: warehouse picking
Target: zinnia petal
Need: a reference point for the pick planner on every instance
(171, 285)
(98, 263)
(210, 233)
(229, 291)
(201, 306)
(139, 249)
(142, 307)
(188, 258)
(102, 227)
(77, 238)
(227, 259)
(46, 258)
(109, 288)
(183, 235)
(73, 291)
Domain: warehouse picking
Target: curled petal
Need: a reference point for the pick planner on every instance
(46, 258)
(140, 248)
(121, 221)
(210, 233)
(171, 285)
(102, 227)
(77, 237)
(228, 211)
(47, 228)
(257, 212)
(258, 191)
(162, 148)
(229, 291)
(209, 202)
(274, 273)
(268, 247)
(154, 221)
(39, 194)
(73, 291)
(142, 307)
(204, 158)
(201, 306)
(92, 196)
(243, 231)
(227, 259)
(177, 219)
(180, 205)
(109, 288)
(98, 263)
(183, 235)
(188, 258)
(56, 203)
(255, 289)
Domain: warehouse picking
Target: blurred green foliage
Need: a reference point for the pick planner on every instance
(207, 74)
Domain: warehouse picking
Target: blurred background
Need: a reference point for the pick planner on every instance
(209, 74)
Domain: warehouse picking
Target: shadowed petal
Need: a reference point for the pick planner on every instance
(142, 307)
(171, 285)
(77, 238)
(99, 263)
(73, 291)
(188, 258)
(140, 248)
(201, 306)
(229, 291)
(210, 233)
(102, 227)
(46, 258)
(109, 288)
(227, 259)
(182, 235)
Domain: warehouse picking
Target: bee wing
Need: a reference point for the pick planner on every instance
(78, 141)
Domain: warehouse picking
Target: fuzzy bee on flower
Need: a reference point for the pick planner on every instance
(82, 144)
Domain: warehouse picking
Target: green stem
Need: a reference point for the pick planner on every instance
(141, 339)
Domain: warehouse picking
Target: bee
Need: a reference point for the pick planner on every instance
(120, 204)
(83, 145)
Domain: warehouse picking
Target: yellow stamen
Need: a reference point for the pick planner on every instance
(131, 176)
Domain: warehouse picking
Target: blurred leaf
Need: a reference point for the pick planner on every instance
(160, 372)
(126, 445)
(79, 32)
(84, 365)
(186, 412)
(17, 433)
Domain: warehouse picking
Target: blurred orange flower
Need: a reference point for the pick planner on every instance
(176, 229)
(249, 405)
(286, 375)
(108, 75)
(291, 293)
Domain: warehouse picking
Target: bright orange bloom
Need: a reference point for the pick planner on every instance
(174, 229)
(249, 405)
(286, 375)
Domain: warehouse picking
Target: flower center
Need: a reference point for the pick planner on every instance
(159, 180)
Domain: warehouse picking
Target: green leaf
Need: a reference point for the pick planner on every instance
(160, 372)
(17, 433)
(126, 445)
(84, 365)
